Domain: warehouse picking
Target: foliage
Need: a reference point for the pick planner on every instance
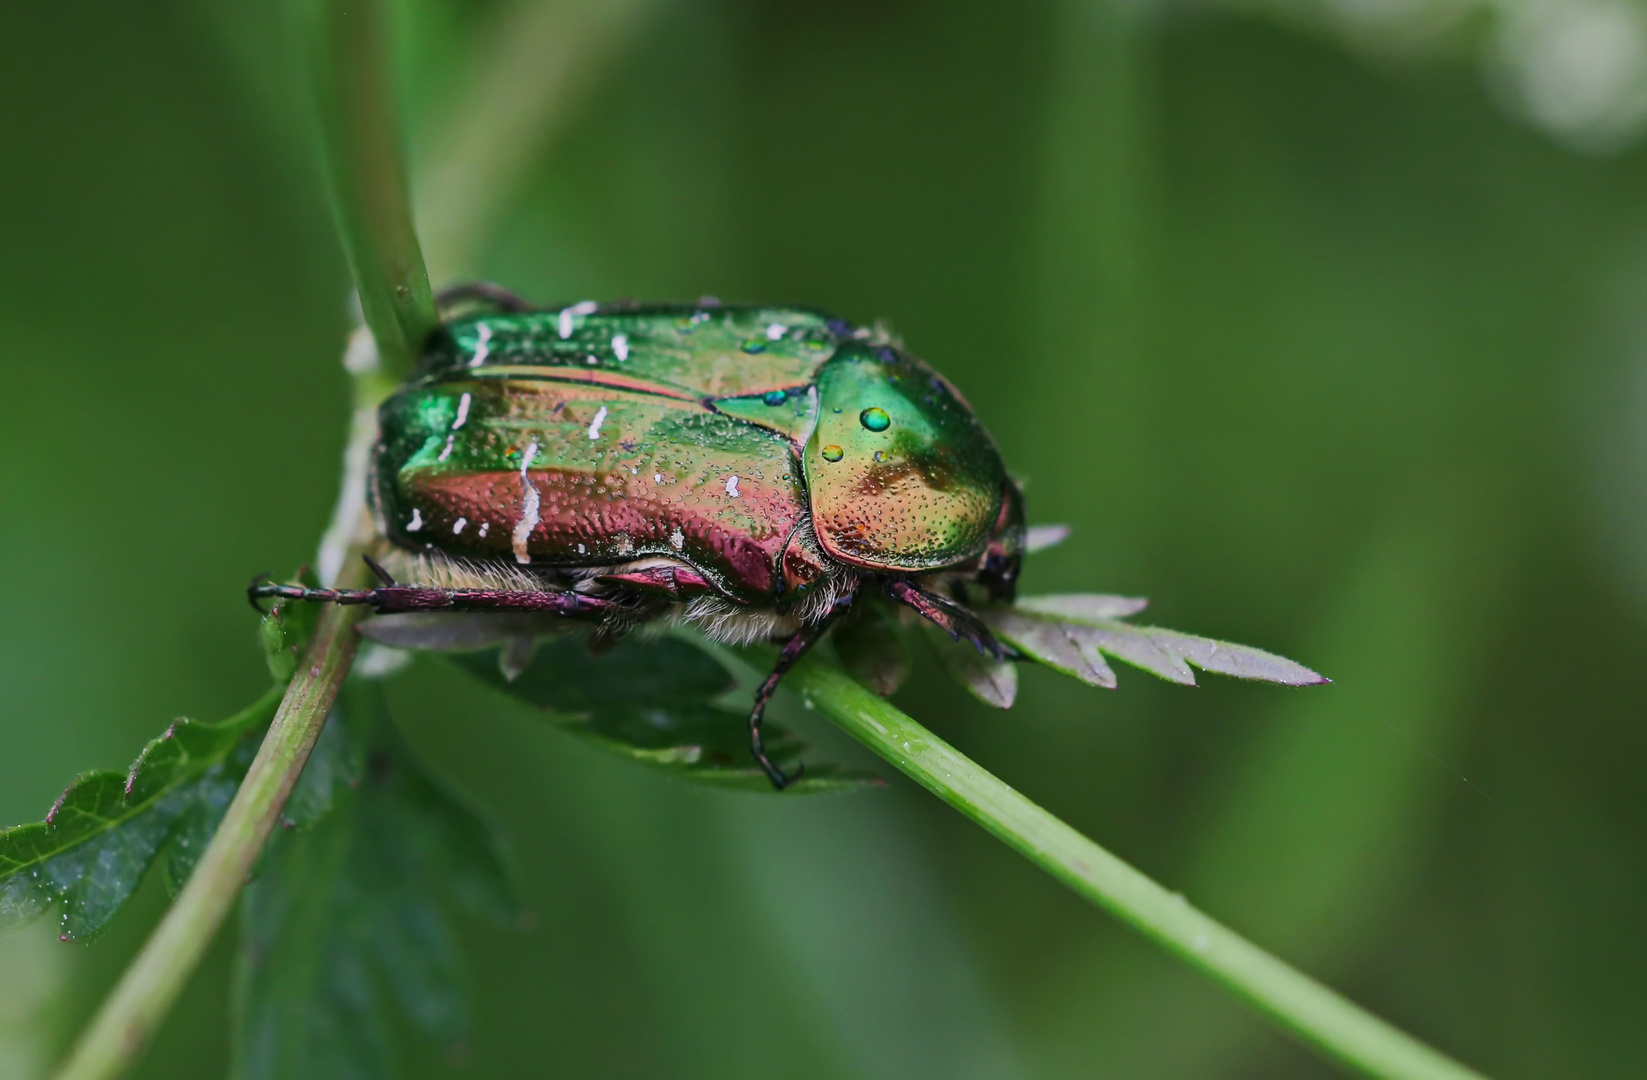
(346, 916)
(104, 831)
(101, 835)
(1073, 632)
(653, 700)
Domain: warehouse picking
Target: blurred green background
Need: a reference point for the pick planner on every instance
(1322, 324)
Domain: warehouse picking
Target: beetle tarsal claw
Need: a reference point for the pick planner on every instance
(254, 591)
(948, 616)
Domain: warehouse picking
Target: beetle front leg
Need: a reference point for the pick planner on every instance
(947, 615)
(793, 649)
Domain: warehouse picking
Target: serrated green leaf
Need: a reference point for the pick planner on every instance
(104, 831)
(651, 700)
(871, 649)
(347, 918)
(1073, 633)
(1084, 607)
(993, 682)
(285, 631)
(335, 765)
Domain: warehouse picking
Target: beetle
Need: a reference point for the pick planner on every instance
(751, 470)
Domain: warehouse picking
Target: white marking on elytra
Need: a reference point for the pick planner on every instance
(620, 346)
(463, 411)
(529, 506)
(582, 307)
(776, 331)
(483, 527)
(594, 425)
(657, 478)
(483, 348)
(417, 521)
(446, 451)
(457, 526)
(732, 486)
(677, 539)
(582, 550)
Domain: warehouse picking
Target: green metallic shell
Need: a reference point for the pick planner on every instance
(598, 436)
(900, 473)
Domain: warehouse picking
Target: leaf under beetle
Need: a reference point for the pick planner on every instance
(347, 918)
(1041, 537)
(105, 830)
(1073, 633)
(871, 649)
(993, 682)
(652, 700)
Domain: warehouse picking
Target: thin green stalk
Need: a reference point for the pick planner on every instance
(360, 138)
(530, 72)
(151, 983)
(1315, 1014)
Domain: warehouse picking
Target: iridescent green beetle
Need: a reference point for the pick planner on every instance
(750, 470)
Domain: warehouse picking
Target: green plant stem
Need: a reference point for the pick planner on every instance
(1310, 1011)
(360, 139)
(152, 981)
(350, 59)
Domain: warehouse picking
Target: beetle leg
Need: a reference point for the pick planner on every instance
(389, 599)
(793, 649)
(484, 291)
(377, 568)
(948, 616)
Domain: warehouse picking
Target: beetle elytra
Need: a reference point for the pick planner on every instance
(753, 471)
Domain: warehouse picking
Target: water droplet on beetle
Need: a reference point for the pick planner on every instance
(833, 453)
(754, 346)
(875, 419)
(775, 397)
(880, 456)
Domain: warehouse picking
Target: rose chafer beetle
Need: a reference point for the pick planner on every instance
(749, 470)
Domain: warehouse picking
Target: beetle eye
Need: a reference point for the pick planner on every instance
(875, 419)
(833, 453)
